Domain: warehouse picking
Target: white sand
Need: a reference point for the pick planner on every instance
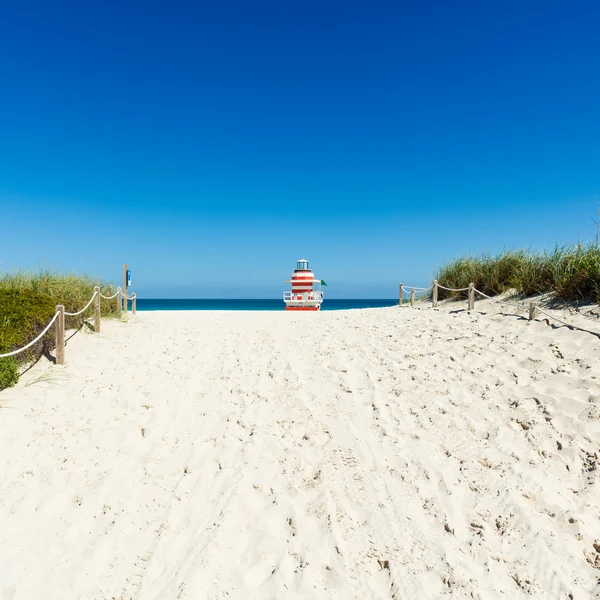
(387, 453)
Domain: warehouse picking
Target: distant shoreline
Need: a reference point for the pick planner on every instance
(174, 304)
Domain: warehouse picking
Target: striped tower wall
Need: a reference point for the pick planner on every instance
(302, 281)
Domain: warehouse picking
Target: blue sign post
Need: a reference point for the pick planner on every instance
(126, 284)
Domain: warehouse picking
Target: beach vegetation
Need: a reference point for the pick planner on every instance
(570, 273)
(28, 302)
(9, 372)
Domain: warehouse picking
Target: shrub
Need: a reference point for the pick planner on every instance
(9, 372)
(569, 272)
(71, 290)
(23, 315)
(28, 302)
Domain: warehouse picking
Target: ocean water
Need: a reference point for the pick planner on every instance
(179, 304)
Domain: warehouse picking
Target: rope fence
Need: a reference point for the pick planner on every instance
(534, 308)
(452, 289)
(79, 312)
(495, 300)
(37, 339)
(59, 320)
(111, 297)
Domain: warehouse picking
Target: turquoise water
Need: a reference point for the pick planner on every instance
(178, 304)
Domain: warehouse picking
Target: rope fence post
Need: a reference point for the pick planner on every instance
(401, 295)
(435, 293)
(97, 309)
(119, 301)
(471, 302)
(133, 303)
(412, 297)
(533, 311)
(60, 335)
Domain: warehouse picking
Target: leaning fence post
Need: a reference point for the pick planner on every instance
(119, 301)
(60, 335)
(471, 303)
(401, 295)
(97, 309)
(412, 297)
(533, 311)
(133, 302)
(435, 292)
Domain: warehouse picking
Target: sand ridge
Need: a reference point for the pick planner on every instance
(376, 453)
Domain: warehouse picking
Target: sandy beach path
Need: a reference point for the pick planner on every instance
(382, 453)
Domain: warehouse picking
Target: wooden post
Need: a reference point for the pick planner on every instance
(401, 295)
(125, 289)
(119, 303)
(412, 297)
(133, 304)
(60, 335)
(533, 311)
(435, 293)
(471, 303)
(97, 310)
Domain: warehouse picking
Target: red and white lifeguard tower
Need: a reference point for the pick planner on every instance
(303, 295)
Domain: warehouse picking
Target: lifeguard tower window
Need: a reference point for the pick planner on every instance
(302, 265)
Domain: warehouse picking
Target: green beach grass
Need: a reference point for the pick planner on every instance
(570, 273)
(27, 303)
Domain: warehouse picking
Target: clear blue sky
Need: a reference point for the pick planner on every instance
(211, 145)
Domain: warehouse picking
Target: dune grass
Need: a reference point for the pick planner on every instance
(28, 302)
(567, 272)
